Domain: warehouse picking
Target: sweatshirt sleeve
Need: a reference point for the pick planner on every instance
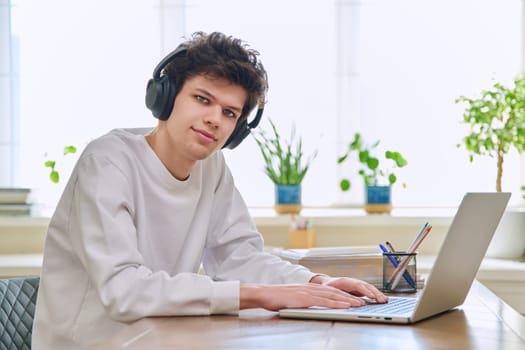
(104, 238)
(235, 247)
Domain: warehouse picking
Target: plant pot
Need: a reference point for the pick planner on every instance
(378, 199)
(509, 239)
(288, 199)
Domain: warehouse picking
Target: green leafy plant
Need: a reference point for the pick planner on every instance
(497, 123)
(54, 175)
(284, 163)
(369, 165)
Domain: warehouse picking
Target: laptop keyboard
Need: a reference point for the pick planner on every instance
(395, 305)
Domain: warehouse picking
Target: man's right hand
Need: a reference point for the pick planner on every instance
(282, 296)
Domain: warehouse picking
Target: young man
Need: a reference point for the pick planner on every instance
(144, 209)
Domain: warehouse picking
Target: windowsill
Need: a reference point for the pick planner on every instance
(267, 217)
(43, 213)
(357, 216)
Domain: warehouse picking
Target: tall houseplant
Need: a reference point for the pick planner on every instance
(286, 166)
(378, 178)
(497, 123)
(496, 120)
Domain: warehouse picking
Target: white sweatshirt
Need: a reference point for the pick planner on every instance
(127, 239)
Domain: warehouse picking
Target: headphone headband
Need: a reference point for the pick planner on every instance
(180, 50)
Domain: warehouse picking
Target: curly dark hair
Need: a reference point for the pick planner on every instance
(221, 56)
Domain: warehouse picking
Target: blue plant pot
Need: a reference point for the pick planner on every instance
(378, 199)
(287, 194)
(378, 194)
(288, 199)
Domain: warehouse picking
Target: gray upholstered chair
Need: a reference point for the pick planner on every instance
(17, 310)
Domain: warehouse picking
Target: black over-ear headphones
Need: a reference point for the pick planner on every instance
(160, 97)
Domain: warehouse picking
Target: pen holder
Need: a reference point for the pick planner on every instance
(299, 239)
(399, 272)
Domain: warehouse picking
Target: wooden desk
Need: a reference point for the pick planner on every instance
(483, 322)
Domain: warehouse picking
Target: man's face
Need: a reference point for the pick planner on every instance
(204, 115)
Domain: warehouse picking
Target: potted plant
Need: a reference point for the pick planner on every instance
(496, 120)
(54, 175)
(377, 180)
(285, 165)
(497, 123)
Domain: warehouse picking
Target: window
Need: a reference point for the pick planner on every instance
(391, 70)
(8, 97)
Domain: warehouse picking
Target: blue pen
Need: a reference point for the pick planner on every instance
(406, 275)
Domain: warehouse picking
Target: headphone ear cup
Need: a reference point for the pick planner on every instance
(160, 96)
(240, 132)
(243, 129)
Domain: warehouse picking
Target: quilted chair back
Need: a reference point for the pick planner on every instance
(17, 310)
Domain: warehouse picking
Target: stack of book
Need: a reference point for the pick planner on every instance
(14, 201)
(362, 262)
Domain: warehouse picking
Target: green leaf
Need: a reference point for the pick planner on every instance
(345, 184)
(50, 164)
(373, 163)
(54, 177)
(392, 179)
(342, 159)
(70, 149)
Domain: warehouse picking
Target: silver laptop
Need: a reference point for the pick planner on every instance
(451, 276)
